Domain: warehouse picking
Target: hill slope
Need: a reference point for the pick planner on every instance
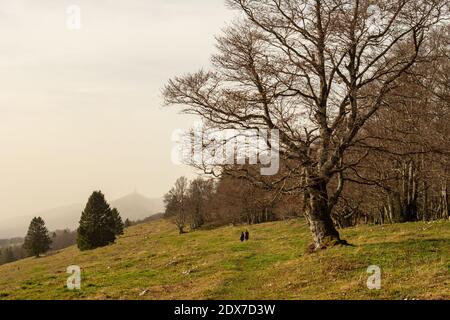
(151, 261)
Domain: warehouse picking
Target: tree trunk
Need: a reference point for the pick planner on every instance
(445, 207)
(394, 206)
(425, 201)
(321, 225)
(410, 207)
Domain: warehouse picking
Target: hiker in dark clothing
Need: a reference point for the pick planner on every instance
(247, 235)
(242, 237)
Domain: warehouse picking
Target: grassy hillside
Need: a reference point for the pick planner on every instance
(151, 261)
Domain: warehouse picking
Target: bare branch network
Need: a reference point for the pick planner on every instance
(319, 72)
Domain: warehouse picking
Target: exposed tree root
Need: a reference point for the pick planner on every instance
(327, 242)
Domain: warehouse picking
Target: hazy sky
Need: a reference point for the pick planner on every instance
(81, 109)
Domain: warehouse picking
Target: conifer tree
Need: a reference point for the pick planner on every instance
(37, 240)
(127, 223)
(116, 222)
(99, 224)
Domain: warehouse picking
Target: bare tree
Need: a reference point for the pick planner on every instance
(239, 201)
(200, 193)
(175, 203)
(317, 71)
(405, 176)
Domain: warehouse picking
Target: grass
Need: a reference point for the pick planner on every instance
(151, 261)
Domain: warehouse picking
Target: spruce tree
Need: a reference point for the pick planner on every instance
(116, 222)
(37, 240)
(99, 225)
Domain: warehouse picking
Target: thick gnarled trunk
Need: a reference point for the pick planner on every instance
(320, 222)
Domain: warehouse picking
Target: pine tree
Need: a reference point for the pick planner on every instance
(98, 223)
(127, 223)
(116, 222)
(37, 240)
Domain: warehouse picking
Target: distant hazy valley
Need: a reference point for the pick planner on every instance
(133, 206)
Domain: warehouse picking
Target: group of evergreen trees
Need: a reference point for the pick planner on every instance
(99, 226)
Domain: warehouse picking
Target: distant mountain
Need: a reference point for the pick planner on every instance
(133, 206)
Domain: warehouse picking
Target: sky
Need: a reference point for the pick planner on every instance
(81, 110)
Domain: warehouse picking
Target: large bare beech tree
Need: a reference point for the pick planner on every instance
(317, 71)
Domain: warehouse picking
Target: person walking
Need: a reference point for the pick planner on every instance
(242, 236)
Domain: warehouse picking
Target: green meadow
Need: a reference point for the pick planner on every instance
(152, 261)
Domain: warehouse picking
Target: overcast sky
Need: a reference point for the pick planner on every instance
(80, 110)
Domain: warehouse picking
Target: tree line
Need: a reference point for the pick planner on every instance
(226, 200)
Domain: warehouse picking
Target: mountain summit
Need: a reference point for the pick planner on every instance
(136, 206)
